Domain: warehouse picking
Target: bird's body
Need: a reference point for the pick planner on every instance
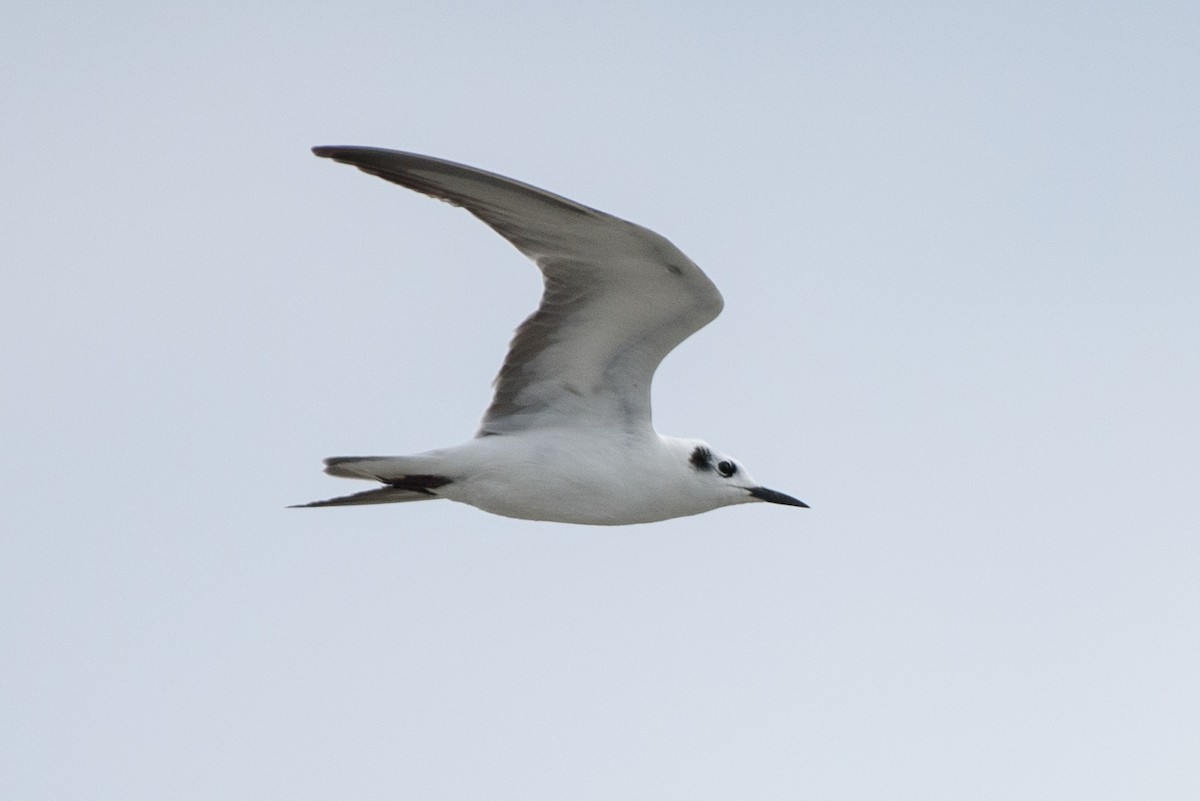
(525, 477)
(568, 436)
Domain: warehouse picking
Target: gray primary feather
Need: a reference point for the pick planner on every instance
(381, 495)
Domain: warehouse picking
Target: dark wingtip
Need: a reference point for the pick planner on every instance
(341, 152)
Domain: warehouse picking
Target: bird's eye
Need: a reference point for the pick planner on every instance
(726, 469)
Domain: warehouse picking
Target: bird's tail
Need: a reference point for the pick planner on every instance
(402, 485)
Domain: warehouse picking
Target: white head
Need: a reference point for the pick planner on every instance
(719, 479)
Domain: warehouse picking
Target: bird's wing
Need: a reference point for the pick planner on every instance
(617, 299)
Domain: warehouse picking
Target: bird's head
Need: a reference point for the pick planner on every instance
(723, 478)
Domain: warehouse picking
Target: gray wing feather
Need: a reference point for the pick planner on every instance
(618, 297)
(381, 495)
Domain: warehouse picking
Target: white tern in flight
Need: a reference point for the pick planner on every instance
(568, 435)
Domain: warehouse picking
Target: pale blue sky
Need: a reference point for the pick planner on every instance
(959, 249)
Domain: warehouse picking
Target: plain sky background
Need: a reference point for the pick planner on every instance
(960, 250)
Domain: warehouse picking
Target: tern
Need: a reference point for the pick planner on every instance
(568, 436)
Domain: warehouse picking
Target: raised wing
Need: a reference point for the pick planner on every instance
(618, 297)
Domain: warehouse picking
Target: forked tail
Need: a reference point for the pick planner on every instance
(401, 487)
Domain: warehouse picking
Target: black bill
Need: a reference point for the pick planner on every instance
(771, 496)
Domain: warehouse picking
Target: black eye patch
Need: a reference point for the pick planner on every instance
(701, 458)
